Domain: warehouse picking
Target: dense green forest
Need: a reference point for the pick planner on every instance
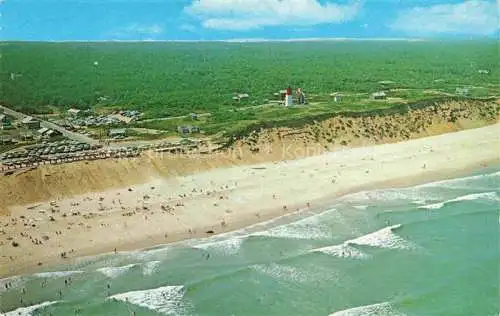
(170, 79)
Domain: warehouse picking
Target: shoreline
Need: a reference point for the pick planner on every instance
(359, 174)
(321, 205)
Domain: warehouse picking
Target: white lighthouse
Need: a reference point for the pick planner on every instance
(288, 97)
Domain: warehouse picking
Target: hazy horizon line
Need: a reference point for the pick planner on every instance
(238, 40)
(259, 40)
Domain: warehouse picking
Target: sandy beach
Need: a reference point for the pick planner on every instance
(168, 209)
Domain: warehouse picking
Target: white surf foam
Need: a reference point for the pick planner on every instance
(167, 300)
(434, 206)
(469, 197)
(458, 182)
(403, 194)
(150, 267)
(114, 272)
(228, 246)
(308, 228)
(343, 251)
(415, 193)
(418, 202)
(27, 311)
(56, 274)
(360, 207)
(380, 309)
(15, 282)
(383, 238)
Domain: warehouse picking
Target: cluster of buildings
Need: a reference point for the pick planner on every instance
(78, 118)
(26, 129)
(62, 152)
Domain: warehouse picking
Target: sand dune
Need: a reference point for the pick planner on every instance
(269, 145)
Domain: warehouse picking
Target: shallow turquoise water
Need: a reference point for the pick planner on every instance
(426, 250)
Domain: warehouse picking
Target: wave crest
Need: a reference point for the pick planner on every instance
(379, 309)
(27, 311)
(383, 238)
(114, 272)
(469, 197)
(343, 251)
(167, 300)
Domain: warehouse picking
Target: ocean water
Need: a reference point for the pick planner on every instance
(431, 249)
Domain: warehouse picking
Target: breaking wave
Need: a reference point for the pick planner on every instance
(380, 309)
(56, 274)
(469, 197)
(27, 311)
(150, 267)
(308, 228)
(343, 251)
(14, 282)
(114, 272)
(167, 300)
(459, 182)
(418, 193)
(229, 246)
(383, 238)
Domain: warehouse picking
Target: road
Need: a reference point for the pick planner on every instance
(172, 118)
(71, 135)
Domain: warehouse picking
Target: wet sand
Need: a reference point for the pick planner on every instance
(175, 208)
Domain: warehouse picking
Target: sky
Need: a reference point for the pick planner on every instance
(100, 20)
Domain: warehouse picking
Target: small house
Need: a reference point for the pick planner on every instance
(117, 132)
(379, 95)
(337, 97)
(30, 123)
(188, 129)
(26, 136)
(52, 133)
(241, 96)
(194, 116)
(43, 130)
(73, 112)
(462, 91)
(3, 118)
